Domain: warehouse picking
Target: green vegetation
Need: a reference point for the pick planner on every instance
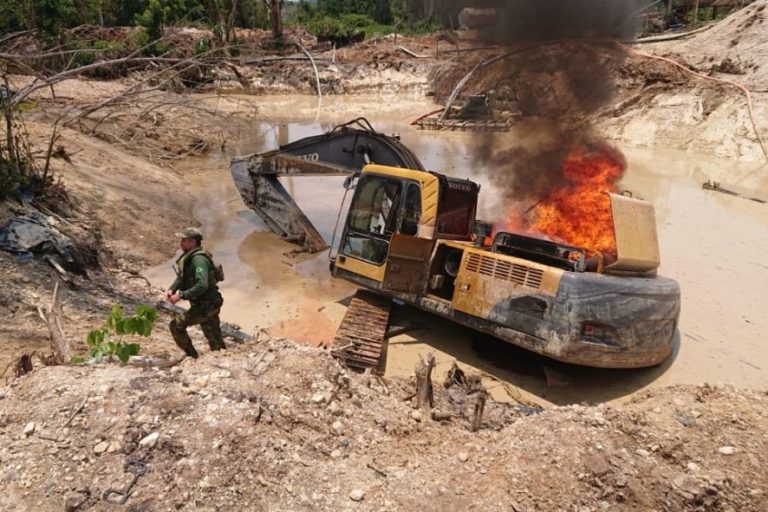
(107, 341)
(50, 17)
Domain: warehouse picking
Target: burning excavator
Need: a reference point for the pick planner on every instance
(590, 298)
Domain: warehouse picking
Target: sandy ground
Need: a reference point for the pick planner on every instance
(249, 429)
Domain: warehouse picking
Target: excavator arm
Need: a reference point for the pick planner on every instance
(343, 151)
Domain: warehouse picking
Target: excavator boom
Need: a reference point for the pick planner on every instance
(342, 151)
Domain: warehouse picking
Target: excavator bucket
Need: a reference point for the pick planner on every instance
(256, 178)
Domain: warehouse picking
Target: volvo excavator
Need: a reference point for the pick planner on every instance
(411, 234)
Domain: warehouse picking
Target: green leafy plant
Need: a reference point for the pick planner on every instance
(107, 342)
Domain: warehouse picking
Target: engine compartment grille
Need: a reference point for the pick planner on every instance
(488, 265)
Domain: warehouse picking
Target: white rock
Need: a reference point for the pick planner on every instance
(114, 446)
(692, 466)
(29, 429)
(150, 441)
(416, 415)
(101, 447)
(334, 408)
(337, 428)
(463, 456)
(335, 454)
(357, 495)
(642, 453)
(319, 398)
(727, 450)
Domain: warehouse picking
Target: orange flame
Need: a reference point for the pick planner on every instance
(579, 213)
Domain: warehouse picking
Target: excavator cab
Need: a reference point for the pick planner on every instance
(394, 219)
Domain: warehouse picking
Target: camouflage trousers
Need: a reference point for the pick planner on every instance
(205, 314)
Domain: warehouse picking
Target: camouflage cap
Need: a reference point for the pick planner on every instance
(190, 233)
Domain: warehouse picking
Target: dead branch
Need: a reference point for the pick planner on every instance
(269, 60)
(76, 411)
(155, 362)
(59, 342)
(669, 37)
(412, 54)
(377, 469)
(6, 369)
(62, 273)
(314, 67)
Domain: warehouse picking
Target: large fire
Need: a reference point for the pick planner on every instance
(579, 212)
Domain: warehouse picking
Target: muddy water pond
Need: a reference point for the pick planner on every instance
(713, 244)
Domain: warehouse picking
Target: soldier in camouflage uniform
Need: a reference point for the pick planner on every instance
(195, 282)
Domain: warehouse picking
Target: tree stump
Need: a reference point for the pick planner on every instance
(424, 393)
(455, 377)
(481, 394)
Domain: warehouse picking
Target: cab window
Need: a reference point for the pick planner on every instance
(372, 218)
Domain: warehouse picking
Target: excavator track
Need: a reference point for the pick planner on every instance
(360, 340)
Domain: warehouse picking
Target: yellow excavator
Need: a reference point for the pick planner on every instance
(411, 234)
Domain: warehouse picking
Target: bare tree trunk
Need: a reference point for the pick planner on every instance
(276, 19)
(696, 13)
(8, 114)
(429, 10)
(231, 21)
(424, 393)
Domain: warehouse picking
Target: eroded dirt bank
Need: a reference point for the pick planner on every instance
(280, 426)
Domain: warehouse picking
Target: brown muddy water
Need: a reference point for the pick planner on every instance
(715, 245)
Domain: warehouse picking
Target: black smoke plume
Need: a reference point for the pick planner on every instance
(557, 75)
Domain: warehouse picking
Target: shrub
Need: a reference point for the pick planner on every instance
(101, 340)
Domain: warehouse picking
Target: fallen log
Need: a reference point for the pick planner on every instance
(227, 329)
(409, 52)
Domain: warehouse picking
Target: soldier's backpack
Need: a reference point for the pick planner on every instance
(218, 270)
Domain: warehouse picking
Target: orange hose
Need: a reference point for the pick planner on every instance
(426, 115)
(760, 141)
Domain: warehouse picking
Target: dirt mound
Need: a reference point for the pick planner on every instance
(281, 426)
(736, 46)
